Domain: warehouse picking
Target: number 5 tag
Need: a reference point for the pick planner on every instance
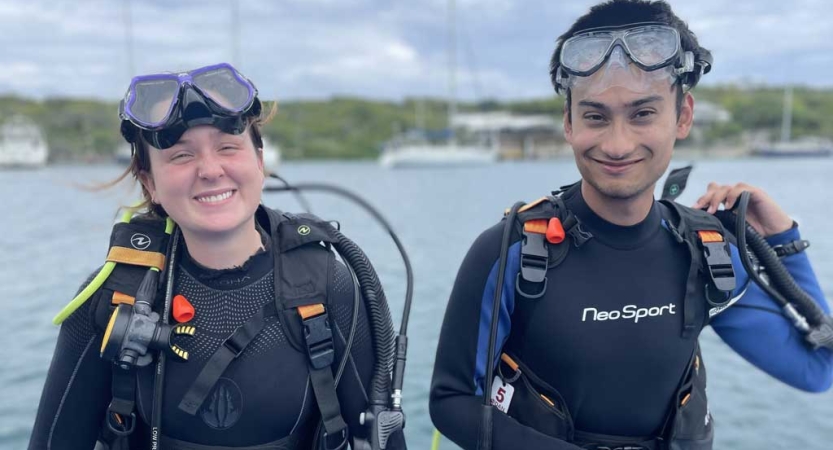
(502, 394)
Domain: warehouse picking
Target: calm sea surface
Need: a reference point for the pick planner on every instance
(53, 234)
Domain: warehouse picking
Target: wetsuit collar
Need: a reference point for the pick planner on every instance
(252, 270)
(612, 235)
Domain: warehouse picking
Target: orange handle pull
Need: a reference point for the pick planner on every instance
(555, 232)
(183, 310)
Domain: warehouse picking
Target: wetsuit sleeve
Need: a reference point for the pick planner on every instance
(354, 386)
(757, 330)
(456, 388)
(77, 388)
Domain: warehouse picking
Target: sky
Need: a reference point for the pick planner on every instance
(379, 49)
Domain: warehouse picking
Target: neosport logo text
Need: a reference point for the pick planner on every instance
(628, 312)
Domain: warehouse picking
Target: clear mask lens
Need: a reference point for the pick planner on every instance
(620, 71)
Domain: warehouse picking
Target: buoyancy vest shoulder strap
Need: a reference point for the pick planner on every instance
(135, 246)
(711, 274)
(548, 228)
(303, 261)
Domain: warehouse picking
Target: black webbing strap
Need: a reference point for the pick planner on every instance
(318, 337)
(231, 348)
(323, 385)
(120, 419)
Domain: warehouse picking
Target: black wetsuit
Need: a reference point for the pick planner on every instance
(607, 333)
(263, 396)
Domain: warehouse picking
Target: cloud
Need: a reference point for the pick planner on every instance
(378, 48)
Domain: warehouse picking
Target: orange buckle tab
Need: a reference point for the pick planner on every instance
(555, 232)
(509, 361)
(536, 226)
(710, 236)
(308, 311)
(549, 402)
(119, 298)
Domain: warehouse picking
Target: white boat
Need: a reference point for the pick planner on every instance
(271, 156)
(809, 146)
(427, 155)
(124, 154)
(22, 143)
(403, 151)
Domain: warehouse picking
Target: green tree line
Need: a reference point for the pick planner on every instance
(354, 128)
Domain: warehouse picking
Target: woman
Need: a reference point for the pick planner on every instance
(253, 363)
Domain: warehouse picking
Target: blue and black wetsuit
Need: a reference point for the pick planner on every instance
(607, 333)
(264, 396)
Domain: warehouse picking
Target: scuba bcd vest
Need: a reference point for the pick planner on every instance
(549, 231)
(122, 308)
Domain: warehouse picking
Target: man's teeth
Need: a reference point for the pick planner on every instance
(214, 198)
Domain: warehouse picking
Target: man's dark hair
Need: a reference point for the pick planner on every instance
(623, 12)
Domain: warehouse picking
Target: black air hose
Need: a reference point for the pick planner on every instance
(381, 324)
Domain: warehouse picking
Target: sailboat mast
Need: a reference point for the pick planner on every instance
(235, 33)
(452, 69)
(787, 116)
(128, 38)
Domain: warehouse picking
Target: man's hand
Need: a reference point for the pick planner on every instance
(763, 214)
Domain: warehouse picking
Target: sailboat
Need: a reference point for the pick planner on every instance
(416, 151)
(22, 144)
(788, 148)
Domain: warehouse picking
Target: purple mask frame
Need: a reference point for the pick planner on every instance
(183, 79)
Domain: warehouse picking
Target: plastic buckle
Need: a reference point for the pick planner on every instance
(319, 338)
(791, 248)
(534, 258)
(233, 346)
(719, 262)
(118, 428)
(340, 441)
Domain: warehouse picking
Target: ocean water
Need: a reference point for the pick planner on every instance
(52, 234)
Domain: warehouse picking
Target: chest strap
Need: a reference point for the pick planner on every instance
(230, 349)
(318, 337)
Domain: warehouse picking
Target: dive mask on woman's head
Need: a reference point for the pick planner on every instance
(645, 53)
(163, 106)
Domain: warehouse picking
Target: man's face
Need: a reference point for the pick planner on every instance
(623, 139)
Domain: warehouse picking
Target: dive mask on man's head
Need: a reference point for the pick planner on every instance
(635, 56)
(161, 107)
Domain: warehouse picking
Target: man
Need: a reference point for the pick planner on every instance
(600, 335)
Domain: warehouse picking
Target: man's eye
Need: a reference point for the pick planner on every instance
(644, 114)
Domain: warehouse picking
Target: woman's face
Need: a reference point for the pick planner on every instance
(209, 182)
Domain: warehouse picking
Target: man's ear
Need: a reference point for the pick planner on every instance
(568, 125)
(686, 118)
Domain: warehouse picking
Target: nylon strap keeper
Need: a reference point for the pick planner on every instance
(136, 257)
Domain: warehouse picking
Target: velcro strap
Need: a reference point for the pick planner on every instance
(220, 360)
(136, 257)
